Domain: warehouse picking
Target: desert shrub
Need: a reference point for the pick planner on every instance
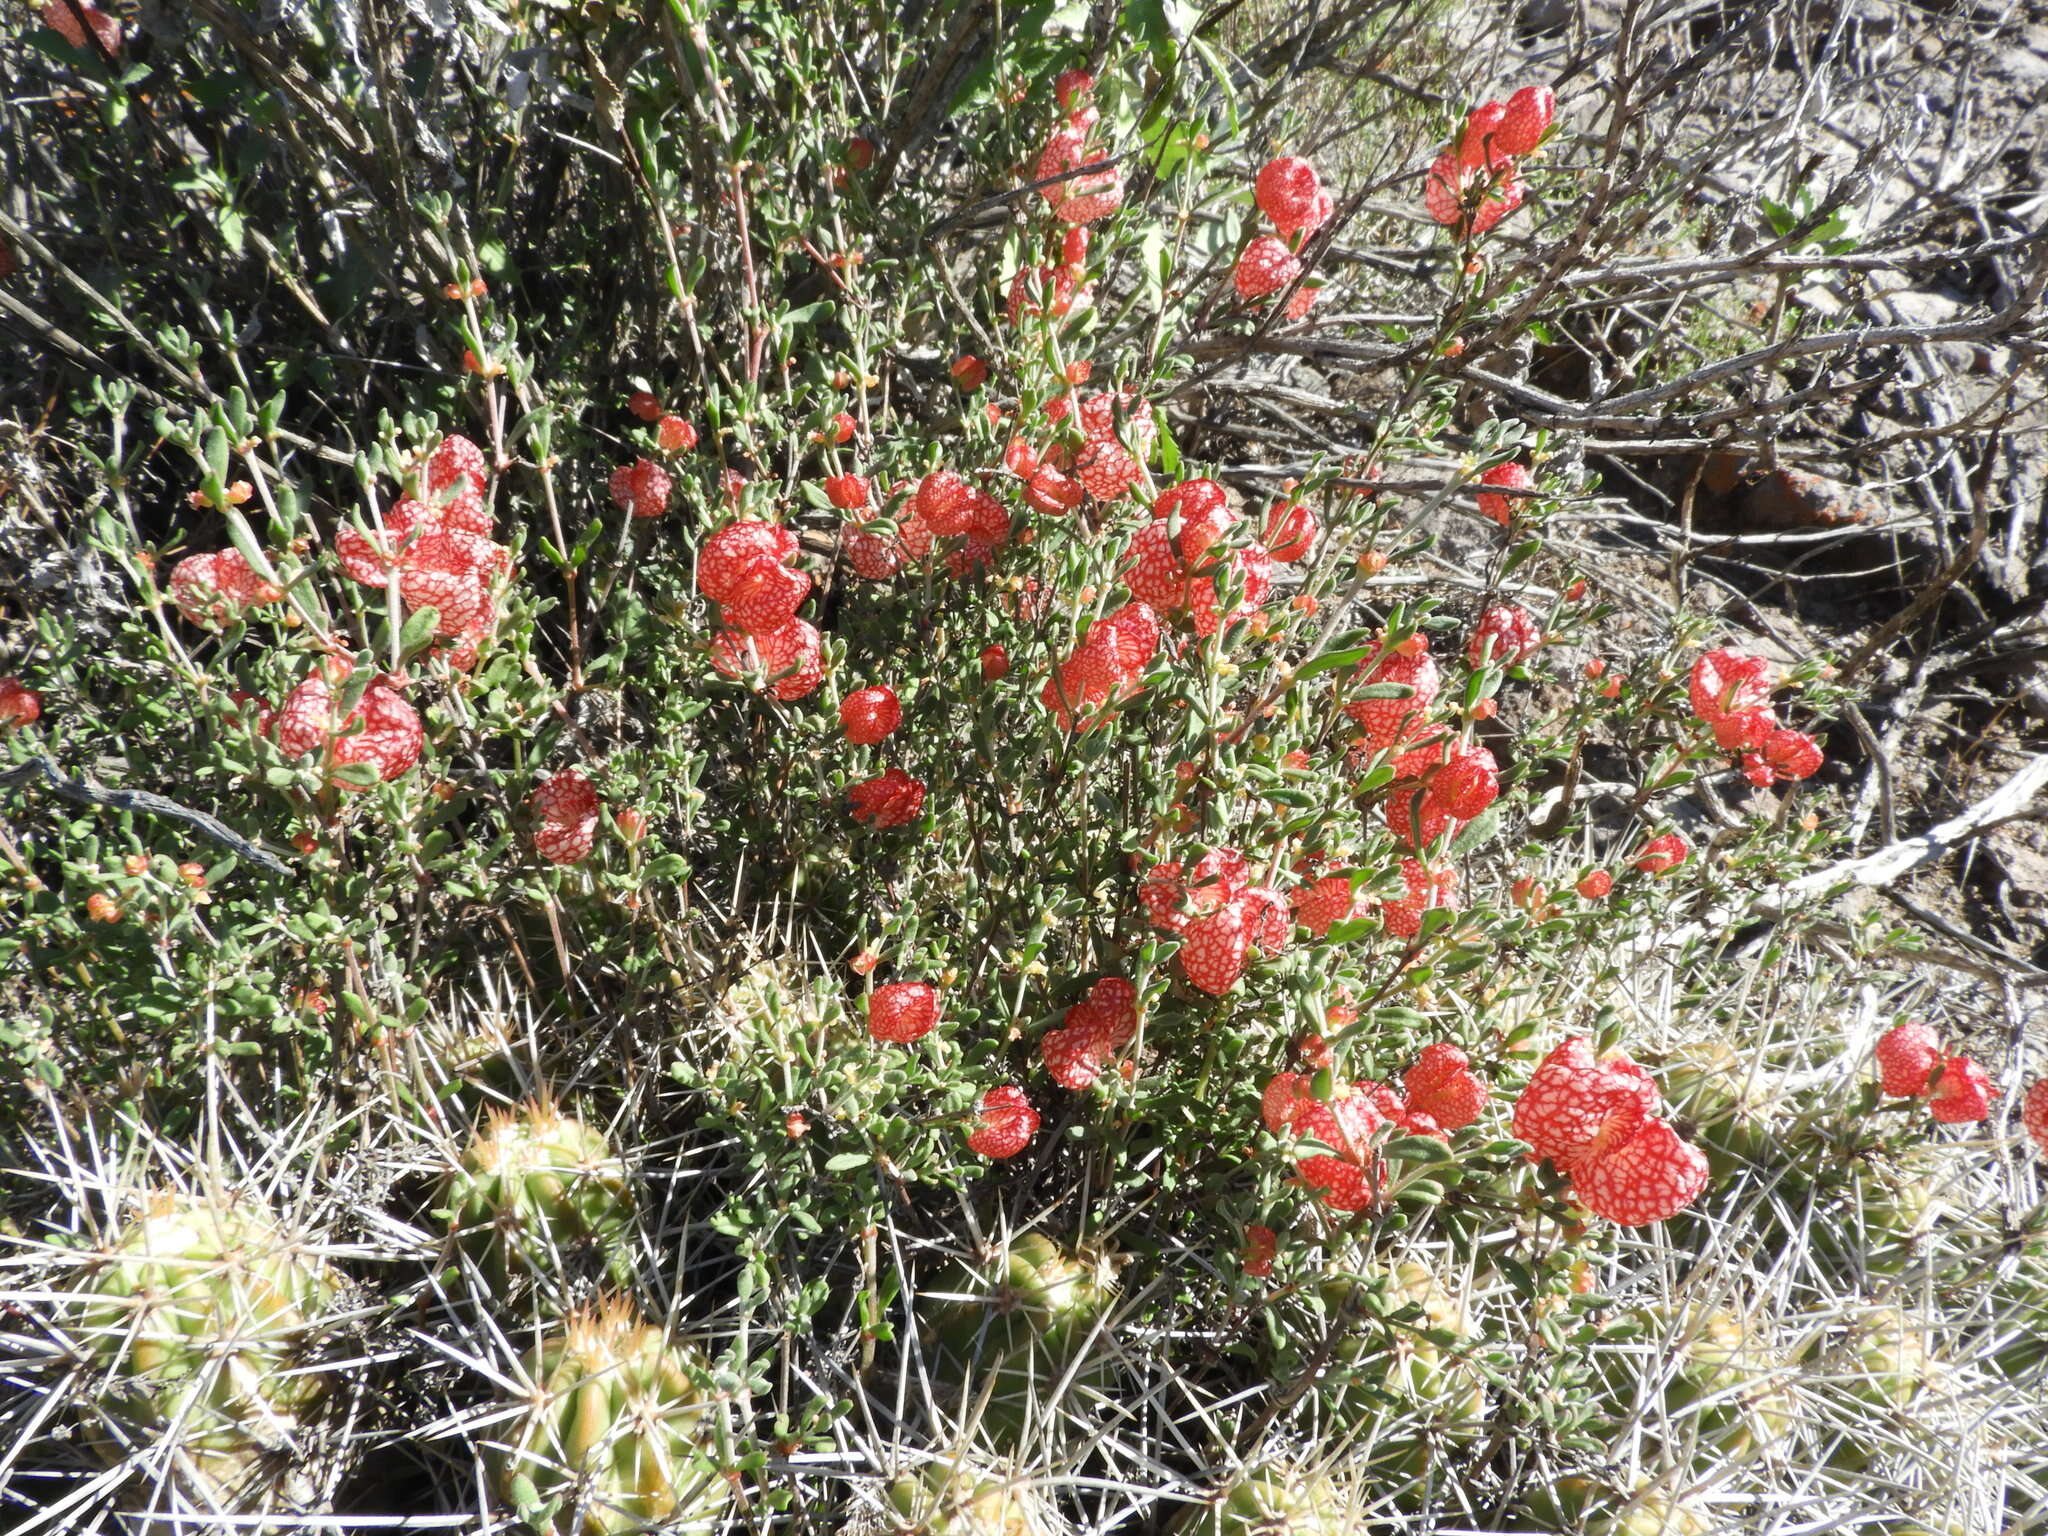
(871, 776)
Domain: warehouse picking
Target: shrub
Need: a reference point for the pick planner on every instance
(1044, 718)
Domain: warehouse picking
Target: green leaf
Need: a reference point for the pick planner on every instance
(1417, 1149)
(842, 1162)
(1330, 661)
(418, 633)
(217, 448)
(1478, 833)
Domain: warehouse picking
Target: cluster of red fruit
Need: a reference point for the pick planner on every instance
(744, 569)
(1289, 193)
(943, 505)
(902, 1012)
(1091, 1033)
(1438, 1095)
(1911, 1064)
(1218, 914)
(438, 544)
(1090, 186)
(1057, 288)
(380, 730)
(1176, 562)
(1477, 182)
(566, 803)
(1731, 692)
(892, 799)
(214, 589)
(1441, 780)
(1599, 1122)
(643, 487)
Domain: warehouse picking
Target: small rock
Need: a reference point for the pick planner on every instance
(1792, 498)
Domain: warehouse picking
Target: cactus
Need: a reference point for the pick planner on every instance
(1585, 1506)
(960, 1496)
(1275, 1499)
(1402, 1328)
(1878, 1367)
(1727, 1107)
(1881, 1218)
(1727, 1384)
(618, 1434)
(1023, 1318)
(199, 1316)
(536, 1190)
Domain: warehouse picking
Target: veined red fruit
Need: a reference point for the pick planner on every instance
(730, 556)
(849, 493)
(1907, 1057)
(1743, 730)
(1450, 184)
(565, 795)
(995, 664)
(1291, 530)
(1651, 1177)
(902, 1011)
(213, 589)
(969, 373)
(1395, 721)
(1963, 1094)
(1662, 854)
(1329, 900)
(945, 502)
(891, 800)
(642, 488)
(1414, 818)
(2034, 1116)
(767, 599)
(382, 730)
(1505, 635)
(1596, 885)
(1265, 267)
(1426, 889)
(1792, 754)
(1214, 947)
(644, 405)
(1348, 1176)
(1290, 193)
(1052, 492)
(1576, 1103)
(1091, 1033)
(1005, 1122)
(565, 842)
(1442, 1085)
(1526, 120)
(1725, 682)
(1478, 146)
(1502, 508)
(1465, 786)
(1261, 1247)
(19, 704)
(672, 434)
(457, 476)
(1094, 191)
(870, 715)
(790, 658)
